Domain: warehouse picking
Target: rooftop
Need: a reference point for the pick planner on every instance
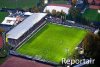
(94, 7)
(25, 25)
(96, 1)
(57, 7)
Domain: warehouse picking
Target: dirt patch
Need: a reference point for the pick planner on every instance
(19, 62)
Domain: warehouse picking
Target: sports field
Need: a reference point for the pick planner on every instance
(92, 15)
(17, 3)
(53, 42)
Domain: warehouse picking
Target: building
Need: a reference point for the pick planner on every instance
(25, 29)
(10, 21)
(94, 4)
(57, 7)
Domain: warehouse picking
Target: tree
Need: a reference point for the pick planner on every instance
(91, 45)
(74, 2)
(74, 12)
(35, 9)
(99, 33)
(3, 51)
(54, 12)
(86, 2)
(47, 11)
(58, 14)
(63, 15)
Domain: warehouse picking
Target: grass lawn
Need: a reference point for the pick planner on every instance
(92, 15)
(3, 15)
(59, 2)
(53, 42)
(17, 3)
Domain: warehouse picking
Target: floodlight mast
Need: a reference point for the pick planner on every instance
(45, 1)
(99, 11)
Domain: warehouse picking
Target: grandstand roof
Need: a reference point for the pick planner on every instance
(25, 25)
(57, 7)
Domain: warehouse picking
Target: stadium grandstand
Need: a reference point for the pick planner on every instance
(57, 7)
(25, 29)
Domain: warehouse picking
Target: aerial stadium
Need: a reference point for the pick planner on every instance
(47, 33)
(38, 40)
(42, 45)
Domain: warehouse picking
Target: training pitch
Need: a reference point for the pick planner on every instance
(91, 15)
(53, 42)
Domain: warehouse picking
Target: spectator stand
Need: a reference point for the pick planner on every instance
(59, 21)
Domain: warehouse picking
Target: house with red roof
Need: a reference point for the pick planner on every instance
(94, 4)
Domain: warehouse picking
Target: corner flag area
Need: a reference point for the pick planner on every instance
(53, 42)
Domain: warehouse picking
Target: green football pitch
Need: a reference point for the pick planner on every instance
(53, 42)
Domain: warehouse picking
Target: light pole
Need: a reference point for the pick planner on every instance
(99, 11)
(45, 1)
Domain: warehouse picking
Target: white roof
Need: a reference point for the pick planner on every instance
(9, 21)
(25, 25)
(57, 8)
(28, 13)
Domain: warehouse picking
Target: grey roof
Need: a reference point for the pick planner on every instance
(25, 25)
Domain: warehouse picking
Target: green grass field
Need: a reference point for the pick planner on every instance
(92, 15)
(17, 3)
(59, 2)
(53, 42)
(3, 15)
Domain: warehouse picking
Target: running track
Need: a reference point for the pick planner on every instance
(19, 62)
